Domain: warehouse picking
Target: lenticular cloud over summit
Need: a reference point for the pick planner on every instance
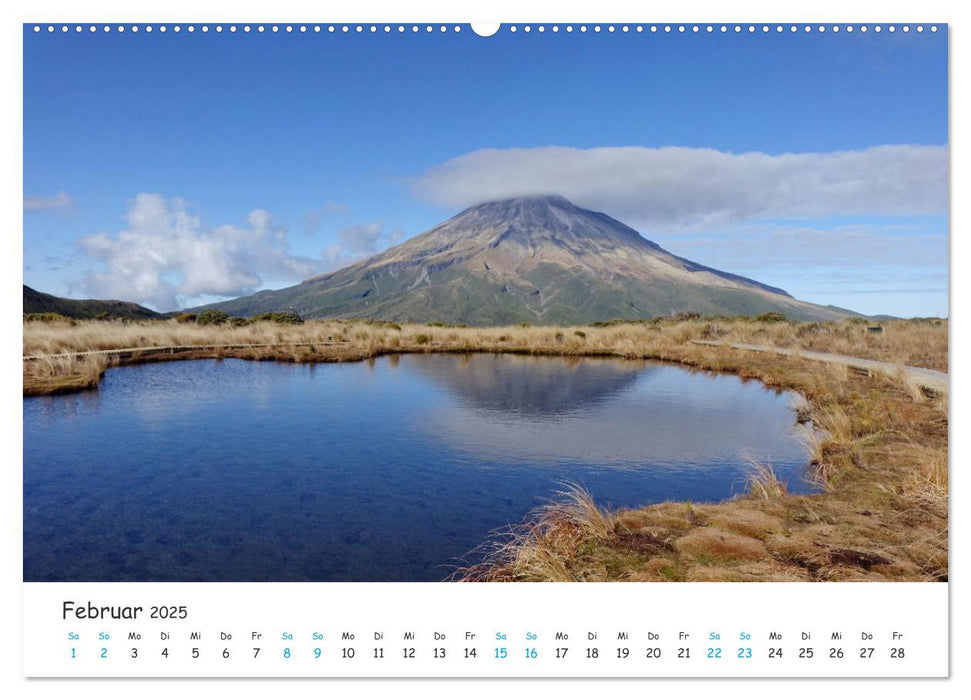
(676, 186)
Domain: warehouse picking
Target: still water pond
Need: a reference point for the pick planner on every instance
(391, 470)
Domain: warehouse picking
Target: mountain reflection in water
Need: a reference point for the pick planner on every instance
(603, 412)
(390, 470)
(528, 386)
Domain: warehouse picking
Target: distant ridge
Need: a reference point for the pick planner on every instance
(532, 259)
(38, 302)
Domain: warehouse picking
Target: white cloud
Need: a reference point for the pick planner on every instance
(358, 242)
(167, 259)
(698, 187)
(312, 220)
(755, 248)
(361, 239)
(61, 200)
(826, 265)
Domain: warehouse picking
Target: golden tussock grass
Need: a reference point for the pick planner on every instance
(927, 480)
(909, 384)
(877, 448)
(750, 522)
(543, 547)
(880, 456)
(762, 480)
(918, 343)
(713, 543)
(59, 375)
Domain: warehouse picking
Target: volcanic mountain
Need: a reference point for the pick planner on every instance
(536, 259)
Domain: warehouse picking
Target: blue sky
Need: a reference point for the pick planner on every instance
(171, 169)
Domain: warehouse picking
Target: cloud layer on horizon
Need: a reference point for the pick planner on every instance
(836, 264)
(700, 187)
(166, 258)
(797, 247)
(61, 200)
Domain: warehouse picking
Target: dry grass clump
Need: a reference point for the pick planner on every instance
(910, 385)
(927, 481)
(750, 522)
(575, 505)
(713, 543)
(762, 481)
(836, 423)
(543, 548)
(61, 375)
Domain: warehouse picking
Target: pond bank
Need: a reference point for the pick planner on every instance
(883, 514)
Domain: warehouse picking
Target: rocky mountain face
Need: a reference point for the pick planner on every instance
(541, 260)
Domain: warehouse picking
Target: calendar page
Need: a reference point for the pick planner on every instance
(543, 349)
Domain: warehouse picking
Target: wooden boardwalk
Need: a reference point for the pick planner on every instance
(927, 378)
(172, 349)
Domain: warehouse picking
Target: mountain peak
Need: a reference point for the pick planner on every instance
(536, 226)
(521, 206)
(530, 200)
(537, 258)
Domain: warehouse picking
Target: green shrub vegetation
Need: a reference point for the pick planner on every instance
(211, 317)
(284, 318)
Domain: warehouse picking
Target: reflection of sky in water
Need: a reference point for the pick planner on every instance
(388, 470)
(608, 413)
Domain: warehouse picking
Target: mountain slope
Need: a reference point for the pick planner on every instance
(38, 302)
(535, 259)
